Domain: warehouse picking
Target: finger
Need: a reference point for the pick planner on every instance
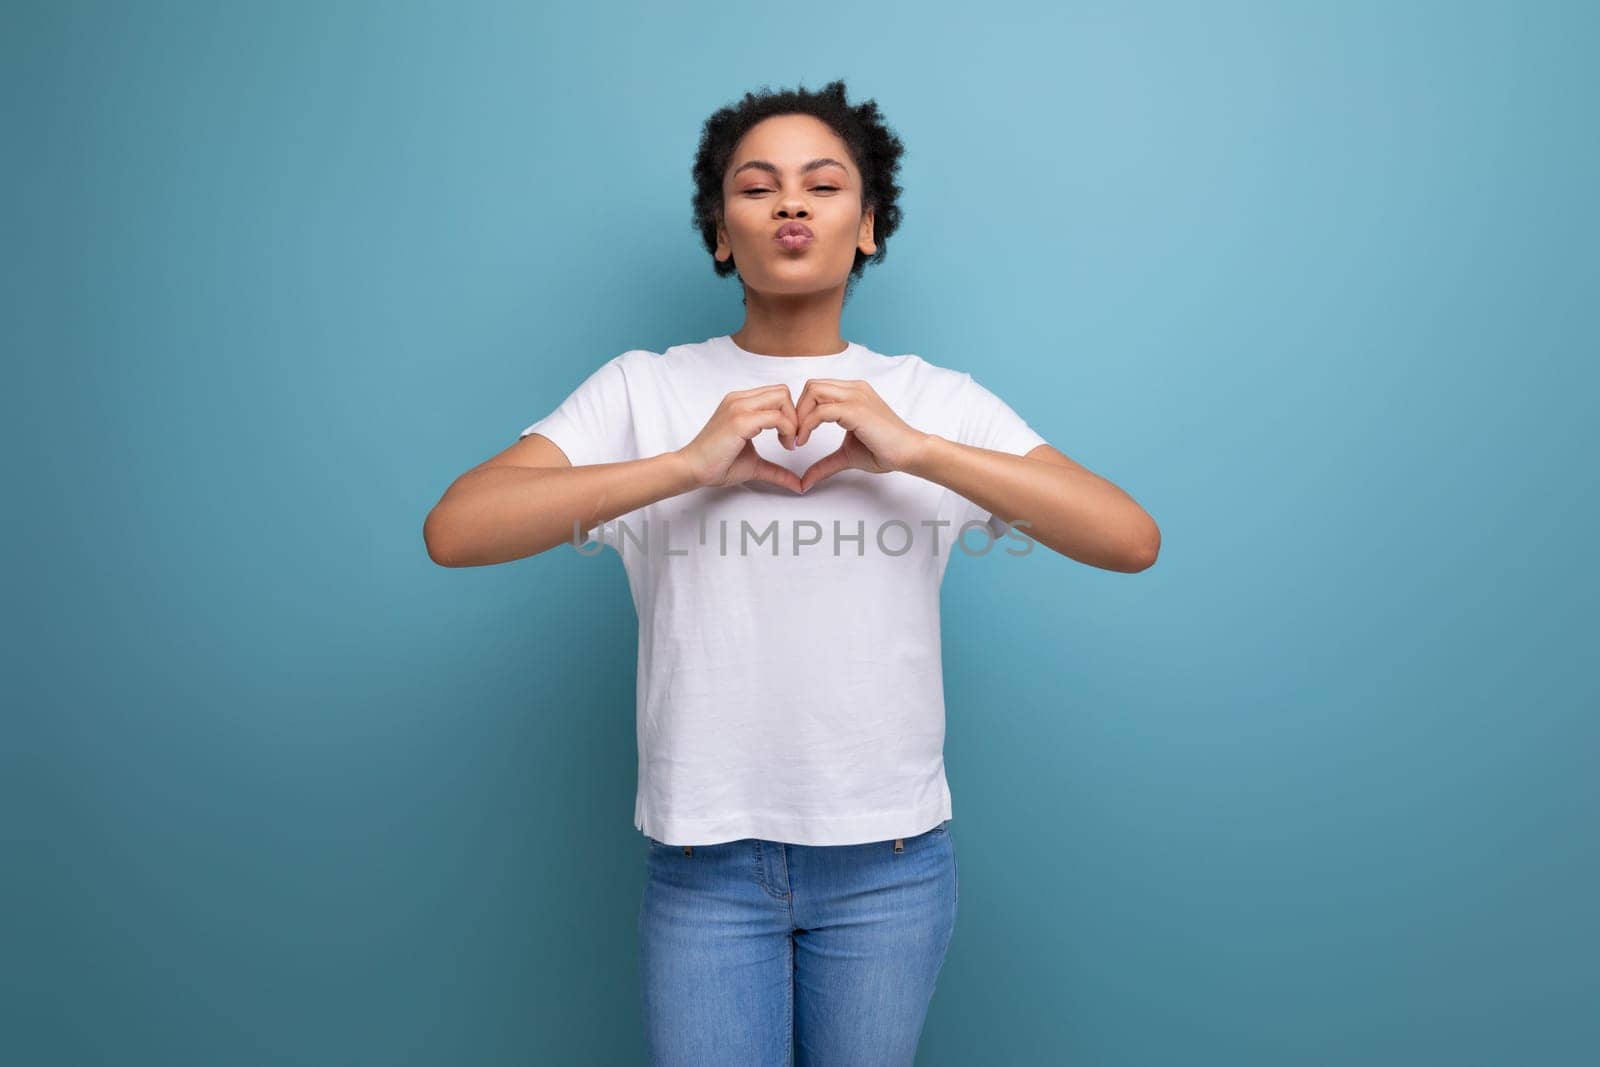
(833, 411)
(773, 398)
(814, 392)
(835, 388)
(768, 471)
(826, 467)
(752, 423)
(786, 430)
(740, 394)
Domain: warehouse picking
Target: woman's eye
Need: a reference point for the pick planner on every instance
(819, 188)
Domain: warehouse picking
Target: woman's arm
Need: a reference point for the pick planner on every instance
(1065, 506)
(1068, 507)
(525, 500)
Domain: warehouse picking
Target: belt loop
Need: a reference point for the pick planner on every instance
(899, 844)
(688, 850)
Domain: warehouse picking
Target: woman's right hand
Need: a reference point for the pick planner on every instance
(722, 453)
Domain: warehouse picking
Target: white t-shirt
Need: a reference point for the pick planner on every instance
(787, 692)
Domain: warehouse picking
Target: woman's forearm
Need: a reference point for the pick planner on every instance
(500, 513)
(1066, 508)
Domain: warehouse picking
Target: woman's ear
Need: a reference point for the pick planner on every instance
(865, 240)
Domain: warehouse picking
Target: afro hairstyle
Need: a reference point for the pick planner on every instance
(873, 145)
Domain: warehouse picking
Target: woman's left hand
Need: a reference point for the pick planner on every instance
(876, 440)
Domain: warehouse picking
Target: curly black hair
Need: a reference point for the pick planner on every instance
(873, 145)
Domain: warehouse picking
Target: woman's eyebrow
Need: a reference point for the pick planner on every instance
(761, 164)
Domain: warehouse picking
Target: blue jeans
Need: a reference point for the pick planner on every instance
(751, 948)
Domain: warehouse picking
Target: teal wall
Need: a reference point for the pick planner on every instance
(1316, 283)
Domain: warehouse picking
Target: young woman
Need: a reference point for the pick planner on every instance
(802, 883)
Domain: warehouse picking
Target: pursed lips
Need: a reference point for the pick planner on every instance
(793, 235)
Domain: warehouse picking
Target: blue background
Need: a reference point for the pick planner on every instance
(1315, 283)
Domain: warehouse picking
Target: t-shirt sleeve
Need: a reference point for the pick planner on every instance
(989, 422)
(594, 423)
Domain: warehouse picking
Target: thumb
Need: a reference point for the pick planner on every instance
(768, 471)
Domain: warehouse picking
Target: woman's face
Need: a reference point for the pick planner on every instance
(775, 179)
